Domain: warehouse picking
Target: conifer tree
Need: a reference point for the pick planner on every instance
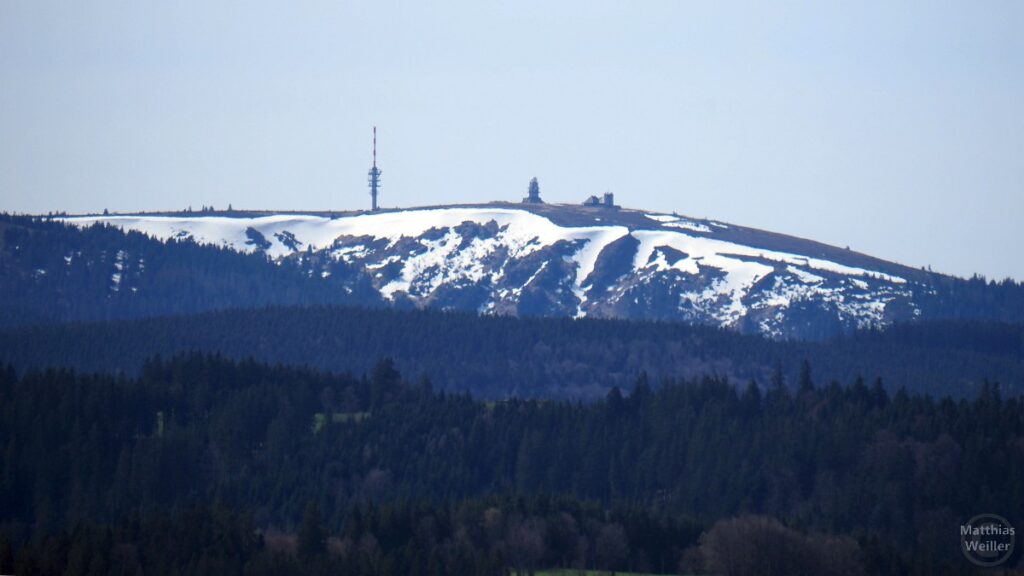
(312, 535)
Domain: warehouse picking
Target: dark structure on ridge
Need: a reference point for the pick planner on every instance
(374, 175)
(608, 201)
(533, 193)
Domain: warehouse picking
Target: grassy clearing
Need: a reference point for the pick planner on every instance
(343, 417)
(320, 419)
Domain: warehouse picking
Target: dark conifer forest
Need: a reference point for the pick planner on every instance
(223, 413)
(204, 464)
(501, 357)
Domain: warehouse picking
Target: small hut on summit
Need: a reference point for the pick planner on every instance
(607, 201)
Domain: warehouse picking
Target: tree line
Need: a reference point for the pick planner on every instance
(894, 473)
(560, 358)
(56, 272)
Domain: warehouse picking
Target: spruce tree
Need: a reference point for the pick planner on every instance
(312, 535)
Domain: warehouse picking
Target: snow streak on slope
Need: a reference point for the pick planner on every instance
(738, 264)
(522, 233)
(508, 260)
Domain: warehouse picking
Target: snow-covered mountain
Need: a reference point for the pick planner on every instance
(571, 261)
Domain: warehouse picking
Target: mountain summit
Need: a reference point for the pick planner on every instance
(560, 260)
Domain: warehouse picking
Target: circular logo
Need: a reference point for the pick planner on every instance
(987, 539)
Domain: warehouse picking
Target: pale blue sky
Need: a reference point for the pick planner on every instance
(893, 127)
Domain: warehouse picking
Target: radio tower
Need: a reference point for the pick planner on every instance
(374, 176)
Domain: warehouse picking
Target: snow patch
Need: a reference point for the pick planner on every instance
(804, 276)
(686, 225)
(662, 217)
(395, 248)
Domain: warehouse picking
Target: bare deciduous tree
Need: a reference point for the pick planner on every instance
(761, 545)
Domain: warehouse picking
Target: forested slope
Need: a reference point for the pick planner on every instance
(51, 272)
(266, 441)
(499, 357)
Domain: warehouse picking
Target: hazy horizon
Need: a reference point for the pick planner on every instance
(892, 129)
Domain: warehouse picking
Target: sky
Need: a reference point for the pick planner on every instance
(894, 128)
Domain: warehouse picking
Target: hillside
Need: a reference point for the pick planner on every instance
(383, 457)
(51, 272)
(576, 261)
(502, 357)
